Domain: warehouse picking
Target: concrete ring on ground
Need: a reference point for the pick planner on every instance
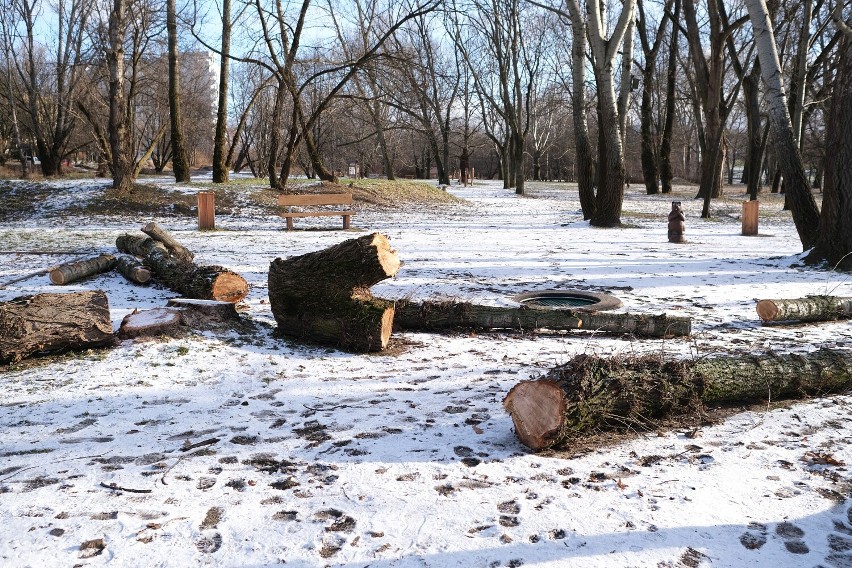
(579, 300)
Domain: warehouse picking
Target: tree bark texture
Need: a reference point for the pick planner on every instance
(593, 394)
(799, 196)
(180, 161)
(176, 249)
(133, 270)
(439, 316)
(121, 160)
(191, 280)
(53, 322)
(812, 308)
(220, 139)
(325, 296)
(67, 273)
(666, 173)
(834, 240)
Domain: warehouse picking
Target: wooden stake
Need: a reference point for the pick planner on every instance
(206, 210)
(750, 210)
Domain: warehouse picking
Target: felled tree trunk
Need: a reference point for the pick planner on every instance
(67, 273)
(592, 394)
(132, 269)
(812, 308)
(191, 280)
(53, 322)
(175, 249)
(325, 296)
(438, 316)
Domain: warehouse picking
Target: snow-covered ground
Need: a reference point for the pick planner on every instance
(245, 449)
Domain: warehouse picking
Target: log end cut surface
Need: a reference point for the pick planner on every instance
(229, 287)
(387, 257)
(537, 409)
(767, 310)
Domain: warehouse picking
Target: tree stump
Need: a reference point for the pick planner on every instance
(53, 322)
(205, 314)
(151, 323)
(593, 394)
(191, 280)
(325, 296)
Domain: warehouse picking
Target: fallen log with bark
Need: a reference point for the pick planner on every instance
(53, 322)
(72, 271)
(448, 315)
(190, 279)
(130, 267)
(811, 308)
(325, 296)
(591, 394)
(175, 249)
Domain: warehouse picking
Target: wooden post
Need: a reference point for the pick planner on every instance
(206, 210)
(750, 209)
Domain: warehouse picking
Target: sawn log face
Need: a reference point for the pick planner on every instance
(53, 322)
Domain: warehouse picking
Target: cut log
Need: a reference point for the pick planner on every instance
(129, 267)
(53, 322)
(593, 394)
(439, 316)
(67, 273)
(176, 249)
(811, 308)
(191, 280)
(324, 296)
(151, 323)
(205, 314)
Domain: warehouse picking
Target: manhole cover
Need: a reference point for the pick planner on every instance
(565, 301)
(569, 300)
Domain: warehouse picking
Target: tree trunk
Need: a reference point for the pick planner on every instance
(834, 240)
(176, 249)
(324, 296)
(67, 273)
(129, 267)
(220, 139)
(590, 393)
(438, 316)
(180, 161)
(801, 200)
(53, 322)
(191, 280)
(812, 308)
(121, 160)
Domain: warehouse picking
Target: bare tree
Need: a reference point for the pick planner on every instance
(802, 203)
(180, 161)
(833, 241)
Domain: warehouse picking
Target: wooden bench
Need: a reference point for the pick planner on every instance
(316, 199)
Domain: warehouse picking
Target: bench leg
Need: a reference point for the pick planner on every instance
(289, 223)
(345, 221)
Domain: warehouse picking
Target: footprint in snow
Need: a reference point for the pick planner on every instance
(209, 543)
(792, 536)
(840, 543)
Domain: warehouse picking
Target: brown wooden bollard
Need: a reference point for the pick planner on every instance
(750, 209)
(676, 224)
(206, 210)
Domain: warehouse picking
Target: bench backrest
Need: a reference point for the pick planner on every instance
(315, 199)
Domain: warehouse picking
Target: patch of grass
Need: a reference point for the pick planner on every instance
(20, 199)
